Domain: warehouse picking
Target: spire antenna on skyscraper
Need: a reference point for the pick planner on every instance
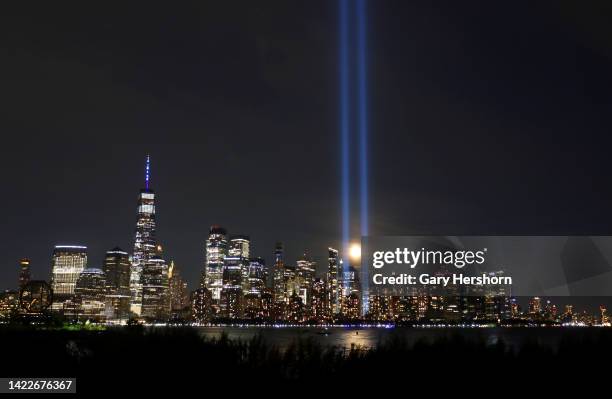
(147, 172)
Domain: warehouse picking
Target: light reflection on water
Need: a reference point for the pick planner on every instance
(344, 337)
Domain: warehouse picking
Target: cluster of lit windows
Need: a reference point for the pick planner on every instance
(68, 263)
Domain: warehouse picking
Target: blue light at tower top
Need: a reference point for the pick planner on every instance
(147, 172)
(344, 124)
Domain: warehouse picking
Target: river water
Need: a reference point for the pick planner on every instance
(344, 337)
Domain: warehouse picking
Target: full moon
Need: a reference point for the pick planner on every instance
(355, 252)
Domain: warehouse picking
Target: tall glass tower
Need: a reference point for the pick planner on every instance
(279, 282)
(24, 272)
(305, 275)
(67, 264)
(117, 271)
(216, 252)
(239, 246)
(333, 287)
(145, 244)
(155, 284)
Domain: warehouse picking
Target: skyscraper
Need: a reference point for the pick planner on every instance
(89, 296)
(305, 275)
(117, 270)
(257, 276)
(24, 272)
(318, 304)
(350, 298)
(239, 245)
(279, 280)
(231, 293)
(68, 262)
(178, 295)
(216, 251)
(145, 243)
(279, 253)
(255, 288)
(282, 283)
(333, 289)
(155, 284)
(201, 301)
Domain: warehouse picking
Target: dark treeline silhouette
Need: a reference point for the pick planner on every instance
(136, 359)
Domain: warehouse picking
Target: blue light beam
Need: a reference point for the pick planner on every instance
(344, 126)
(362, 99)
(362, 107)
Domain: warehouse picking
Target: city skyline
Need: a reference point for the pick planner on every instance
(234, 245)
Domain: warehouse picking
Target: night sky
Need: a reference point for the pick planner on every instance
(486, 118)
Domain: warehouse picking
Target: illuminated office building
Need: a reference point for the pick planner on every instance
(231, 293)
(554, 312)
(474, 308)
(318, 304)
(117, 268)
(145, 243)
(88, 301)
(333, 288)
(35, 297)
(305, 275)
(410, 306)
(604, 319)
(9, 304)
(502, 308)
(441, 307)
(257, 276)
(279, 275)
(255, 288)
(239, 245)
(350, 299)
(178, 295)
(568, 315)
(515, 308)
(535, 305)
(201, 300)
(68, 262)
(283, 283)
(291, 281)
(403, 307)
(24, 272)
(267, 304)
(351, 306)
(376, 308)
(295, 309)
(497, 304)
(253, 306)
(279, 253)
(155, 284)
(216, 252)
